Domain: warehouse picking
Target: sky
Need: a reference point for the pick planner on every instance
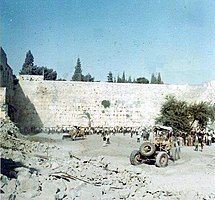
(140, 37)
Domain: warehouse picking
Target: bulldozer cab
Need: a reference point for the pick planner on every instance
(163, 131)
(163, 137)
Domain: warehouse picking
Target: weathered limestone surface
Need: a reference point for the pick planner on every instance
(6, 76)
(64, 103)
(2, 103)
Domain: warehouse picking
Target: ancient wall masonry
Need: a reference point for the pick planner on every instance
(6, 75)
(38, 104)
(3, 110)
(47, 104)
(6, 84)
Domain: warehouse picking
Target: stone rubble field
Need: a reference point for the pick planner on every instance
(46, 167)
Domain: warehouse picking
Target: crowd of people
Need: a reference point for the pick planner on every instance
(197, 138)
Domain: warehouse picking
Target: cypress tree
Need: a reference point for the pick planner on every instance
(123, 77)
(129, 79)
(119, 80)
(27, 66)
(77, 76)
(159, 81)
(153, 79)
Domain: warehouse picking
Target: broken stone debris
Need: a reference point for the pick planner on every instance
(33, 170)
(37, 175)
(8, 127)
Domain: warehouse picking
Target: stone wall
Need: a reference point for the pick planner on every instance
(42, 104)
(31, 78)
(6, 76)
(6, 84)
(3, 110)
(36, 104)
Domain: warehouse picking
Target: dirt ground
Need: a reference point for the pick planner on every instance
(46, 167)
(192, 177)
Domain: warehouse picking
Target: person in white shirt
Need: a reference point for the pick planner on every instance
(209, 139)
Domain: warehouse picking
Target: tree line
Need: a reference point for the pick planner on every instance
(78, 76)
(143, 80)
(29, 68)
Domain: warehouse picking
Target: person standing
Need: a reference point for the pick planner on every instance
(196, 142)
(138, 137)
(201, 140)
(151, 135)
(108, 139)
(209, 139)
(132, 133)
(104, 139)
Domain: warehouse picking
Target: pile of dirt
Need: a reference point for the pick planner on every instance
(43, 167)
(35, 170)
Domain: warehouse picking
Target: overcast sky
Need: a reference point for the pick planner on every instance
(175, 38)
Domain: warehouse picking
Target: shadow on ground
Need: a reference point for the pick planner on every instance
(8, 167)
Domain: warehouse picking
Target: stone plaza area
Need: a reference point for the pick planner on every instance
(44, 166)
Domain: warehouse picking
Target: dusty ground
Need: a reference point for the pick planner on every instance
(192, 177)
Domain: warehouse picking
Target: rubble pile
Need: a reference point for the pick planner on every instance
(7, 127)
(47, 170)
(34, 170)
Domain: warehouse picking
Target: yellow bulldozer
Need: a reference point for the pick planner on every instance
(162, 147)
(75, 132)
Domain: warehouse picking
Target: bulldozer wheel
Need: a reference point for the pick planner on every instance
(162, 159)
(135, 157)
(147, 149)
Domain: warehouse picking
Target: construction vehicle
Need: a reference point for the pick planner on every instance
(75, 132)
(160, 149)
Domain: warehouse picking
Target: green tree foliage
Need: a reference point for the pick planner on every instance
(119, 80)
(153, 79)
(129, 79)
(156, 80)
(159, 81)
(28, 64)
(77, 76)
(123, 78)
(49, 74)
(213, 113)
(29, 59)
(110, 77)
(181, 116)
(61, 79)
(88, 78)
(142, 80)
(106, 103)
(174, 113)
(29, 68)
(201, 112)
